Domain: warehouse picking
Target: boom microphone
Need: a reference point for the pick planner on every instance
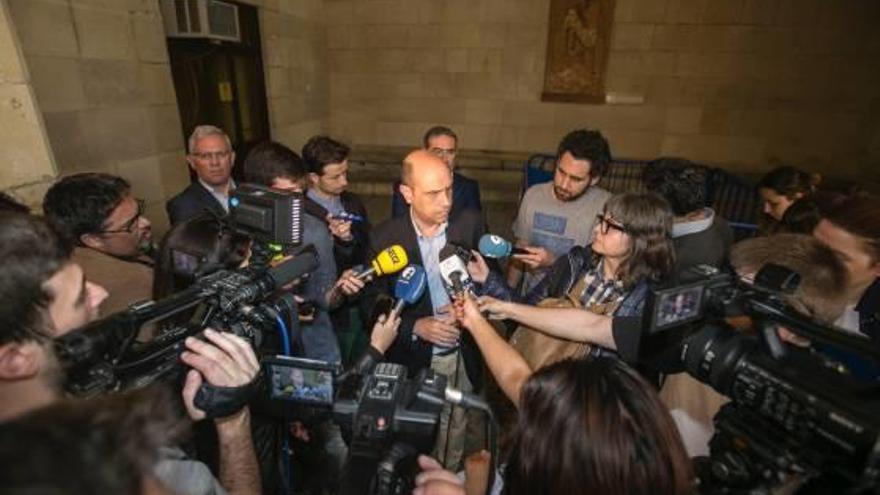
(389, 260)
(409, 287)
(493, 246)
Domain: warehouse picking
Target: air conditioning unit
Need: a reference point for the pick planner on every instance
(201, 19)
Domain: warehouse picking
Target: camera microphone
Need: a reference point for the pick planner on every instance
(389, 260)
(463, 399)
(303, 262)
(409, 287)
(493, 246)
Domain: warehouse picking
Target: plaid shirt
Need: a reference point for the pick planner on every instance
(599, 295)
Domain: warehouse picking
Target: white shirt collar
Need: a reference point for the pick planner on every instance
(695, 226)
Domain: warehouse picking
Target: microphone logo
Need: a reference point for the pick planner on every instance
(393, 255)
(408, 272)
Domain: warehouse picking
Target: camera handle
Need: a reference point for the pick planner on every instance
(770, 337)
(386, 469)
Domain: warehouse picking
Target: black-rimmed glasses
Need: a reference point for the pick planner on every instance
(605, 223)
(129, 226)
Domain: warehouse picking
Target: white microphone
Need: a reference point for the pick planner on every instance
(453, 271)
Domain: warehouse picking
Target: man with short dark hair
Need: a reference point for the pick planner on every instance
(443, 142)
(701, 237)
(44, 294)
(273, 165)
(276, 166)
(98, 212)
(327, 162)
(210, 156)
(556, 216)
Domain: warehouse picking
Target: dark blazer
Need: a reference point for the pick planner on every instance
(465, 229)
(354, 252)
(192, 201)
(465, 196)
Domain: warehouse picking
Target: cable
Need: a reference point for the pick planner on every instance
(285, 445)
(285, 336)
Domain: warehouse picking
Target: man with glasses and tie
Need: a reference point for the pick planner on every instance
(113, 238)
(443, 142)
(211, 157)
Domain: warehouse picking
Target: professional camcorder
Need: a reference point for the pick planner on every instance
(796, 418)
(107, 355)
(387, 417)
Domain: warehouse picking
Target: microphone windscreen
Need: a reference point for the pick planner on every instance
(390, 260)
(303, 262)
(411, 284)
(493, 246)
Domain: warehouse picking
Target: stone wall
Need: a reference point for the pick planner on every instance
(27, 164)
(295, 60)
(734, 82)
(103, 84)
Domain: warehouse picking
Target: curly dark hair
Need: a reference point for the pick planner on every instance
(594, 426)
(588, 145)
(32, 252)
(80, 204)
(679, 181)
(321, 151)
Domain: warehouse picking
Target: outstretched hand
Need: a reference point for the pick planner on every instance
(467, 311)
(496, 309)
(434, 480)
(477, 268)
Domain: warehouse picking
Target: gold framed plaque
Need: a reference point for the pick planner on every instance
(578, 42)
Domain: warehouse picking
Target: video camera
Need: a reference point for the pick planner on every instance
(794, 416)
(106, 355)
(388, 418)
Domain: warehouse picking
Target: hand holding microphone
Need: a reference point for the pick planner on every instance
(493, 246)
(496, 247)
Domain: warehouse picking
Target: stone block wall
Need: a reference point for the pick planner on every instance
(295, 62)
(27, 164)
(103, 85)
(741, 83)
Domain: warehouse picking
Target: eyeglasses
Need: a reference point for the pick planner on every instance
(212, 155)
(443, 151)
(129, 226)
(605, 223)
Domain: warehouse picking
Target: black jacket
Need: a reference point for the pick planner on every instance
(464, 229)
(191, 202)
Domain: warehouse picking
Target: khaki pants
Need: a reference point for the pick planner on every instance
(451, 433)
